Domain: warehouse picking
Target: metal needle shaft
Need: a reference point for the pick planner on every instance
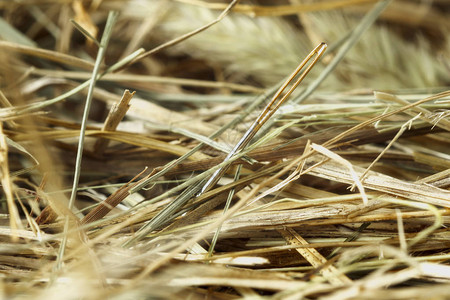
(277, 100)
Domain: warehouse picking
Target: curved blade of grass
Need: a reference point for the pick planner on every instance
(112, 17)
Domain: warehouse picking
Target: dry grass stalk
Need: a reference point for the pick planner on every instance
(115, 116)
(344, 194)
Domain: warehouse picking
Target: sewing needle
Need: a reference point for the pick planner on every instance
(273, 105)
(277, 100)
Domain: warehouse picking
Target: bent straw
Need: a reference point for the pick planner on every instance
(267, 112)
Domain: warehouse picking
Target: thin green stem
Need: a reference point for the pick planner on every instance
(112, 17)
(225, 209)
(353, 38)
(101, 53)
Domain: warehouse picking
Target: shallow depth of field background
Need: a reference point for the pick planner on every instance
(343, 195)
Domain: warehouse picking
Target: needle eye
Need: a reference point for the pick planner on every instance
(277, 100)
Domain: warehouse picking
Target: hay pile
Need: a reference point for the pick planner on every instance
(115, 113)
